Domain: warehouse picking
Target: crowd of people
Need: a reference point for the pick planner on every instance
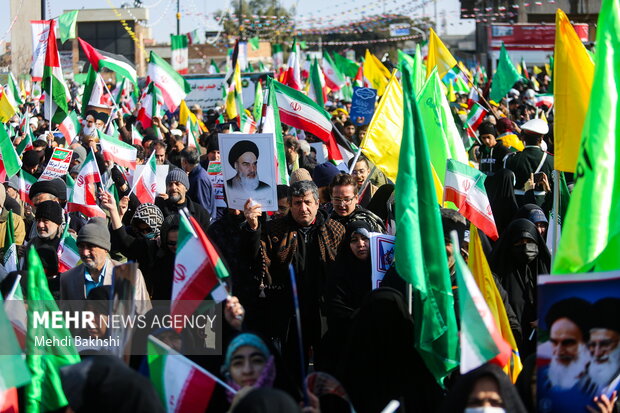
(357, 336)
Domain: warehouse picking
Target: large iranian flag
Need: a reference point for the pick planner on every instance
(84, 196)
(182, 385)
(271, 124)
(481, 340)
(197, 269)
(179, 59)
(119, 152)
(145, 184)
(53, 82)
(464, 186)
(99, 59)
(173, 86)
(70, 126)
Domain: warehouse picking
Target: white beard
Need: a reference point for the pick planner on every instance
(566, 377)
(604, 372)
(249, 184)
(89, 131)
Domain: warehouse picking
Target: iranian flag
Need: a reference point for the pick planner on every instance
(300, 112)
(23, 181)
(333, 78)
(117, 151)
(473, 97)
(247, 124)
(358, 80)
(173, 86)
(193, 132)
(84, 196)
(182, 385)
(197, 269)
(53, 81)
(98, 96)
(277, 56)
(316, 84)
(272, 125)
(481, 340)
(70, 127)
(150, 105)
(115, 63)
(136, 137)
(464, 186)
(13, 89)
(145, 184)
(68, 254)
(9, 260)
(545, 99)
(179, 59)
(476, 115)
(26, 142)
(293, 75)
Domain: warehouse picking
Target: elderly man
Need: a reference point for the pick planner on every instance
(200, 187)
(345, 200)
(306, 238)
(604, 370)
(49, 220)
(93, 243)
(177, 185)
(243, 156)
(559, 382)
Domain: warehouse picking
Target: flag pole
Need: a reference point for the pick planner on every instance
(113, 101)
(299, 334)
(556, 215)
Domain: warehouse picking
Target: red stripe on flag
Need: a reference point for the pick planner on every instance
(304, 124)
(89, 211)
(196, 394)
(92, 54)
(51, 56)
(478, 218)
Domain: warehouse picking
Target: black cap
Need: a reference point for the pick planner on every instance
(239, 149)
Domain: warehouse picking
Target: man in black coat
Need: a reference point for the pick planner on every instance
(177, 184)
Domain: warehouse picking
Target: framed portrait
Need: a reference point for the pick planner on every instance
(578, 352)
(248, 165)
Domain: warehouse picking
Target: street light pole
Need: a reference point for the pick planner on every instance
(178, 17)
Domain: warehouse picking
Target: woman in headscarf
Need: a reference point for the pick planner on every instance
(500, 189)
(379, 202)
(349, 282)
(536, 216)
(483, 390)
(519, 256)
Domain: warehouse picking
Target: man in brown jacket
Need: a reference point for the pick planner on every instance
(306, 239)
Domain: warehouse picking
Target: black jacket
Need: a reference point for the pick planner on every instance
(201, 215)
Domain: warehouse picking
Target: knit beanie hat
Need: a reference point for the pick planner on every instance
(177, 175)
(50, 210)
(95, 232)
(300, 174)
(324, 174)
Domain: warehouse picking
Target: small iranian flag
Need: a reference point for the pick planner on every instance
(145, 184)
(316, 84)
(476, 115)
(84, 196)
(178, 45)
(136, 137)
(9, 260)
(151, 102)
(12, 87)
(68, 254)
(481, 340)
(14, 372)
(293, 73)
(193, 132)
(473, 97)
(545, 99)
(277, 56)
(10, 160)
(213, 68)
(247, 124)
(182, 385)
(53, 82)
(464, 186)
(333, 79)
(119, 152)
(23, 181)
(173, 86)
(99, 59)
(26, 142)
(197, 269)
(70, 127)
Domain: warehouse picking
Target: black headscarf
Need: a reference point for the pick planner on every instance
(500, 189)
(518, 277)
(267, 400)
(379, 201)
(456, 402)
(381, 363)
(95, 384)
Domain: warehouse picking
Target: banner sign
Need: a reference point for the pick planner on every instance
(381, 256)
(217, 180)
(363, 105)
(58, 165)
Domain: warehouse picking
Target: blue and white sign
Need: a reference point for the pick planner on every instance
(363, 105)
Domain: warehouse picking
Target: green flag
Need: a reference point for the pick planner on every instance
(257, 111)
(66, 25)
(505, 76)
(89, 84)
(14, 90)
(254, 43)
(11, 161)
(419, 70)
(591, 232)
(345, 66)
(419, 250)
(444, 139)
(44, 392)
